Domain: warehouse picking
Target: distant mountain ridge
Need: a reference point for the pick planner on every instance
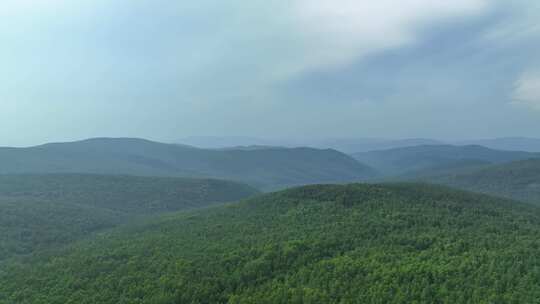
(373, 144)
(408, 160)
(356, 145)
(266, 168)
(508, 143)
(346, 145)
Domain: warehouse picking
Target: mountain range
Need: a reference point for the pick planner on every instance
(356, 145)
(265, 167)
(415, 160)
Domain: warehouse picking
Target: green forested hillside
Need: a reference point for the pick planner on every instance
(266, 168)
(123, 193)
(445, 168)
(399, 243)
(29, 225)
(414, 160)
(517, 180)
(40, 212)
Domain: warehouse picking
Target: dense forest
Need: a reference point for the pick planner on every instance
(395, 243)
(517, 180)
(43, 212)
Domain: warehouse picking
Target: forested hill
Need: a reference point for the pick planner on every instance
(122, 193)
(42, 212)
(399, 243)
(266, 168)
(410, 161)
(517, 180)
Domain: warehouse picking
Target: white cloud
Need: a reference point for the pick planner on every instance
(527, 91)
(343, 30)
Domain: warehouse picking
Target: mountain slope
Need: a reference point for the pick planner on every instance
(315, 244)
(28, 226)
(40, 212)
(517, 180)
(408, 160)
(131, 195)
(267, 168)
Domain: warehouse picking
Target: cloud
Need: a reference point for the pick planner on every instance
(518, 20)
(340, 31)
(527, 91)
(241, 67)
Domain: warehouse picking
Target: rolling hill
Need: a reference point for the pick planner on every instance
(399, 243)
(42, 212)
(516, 180)
(265, 168)
(410, 161)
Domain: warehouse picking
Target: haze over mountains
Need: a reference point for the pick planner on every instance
(355, 145)
(265, 168)
(509, 143)
(413, 160)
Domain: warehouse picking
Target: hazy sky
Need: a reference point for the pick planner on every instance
(163, 69)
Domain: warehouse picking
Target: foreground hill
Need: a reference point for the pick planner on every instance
(267, 168)
(40, 212)
(315, 244)
(413, 160)
(517, 180)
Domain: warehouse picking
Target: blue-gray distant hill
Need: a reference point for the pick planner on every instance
(346, 145)
(508, 143)
(354, 145)
(265, 168)
(420, 160)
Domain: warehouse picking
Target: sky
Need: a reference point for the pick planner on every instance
(165, 70)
